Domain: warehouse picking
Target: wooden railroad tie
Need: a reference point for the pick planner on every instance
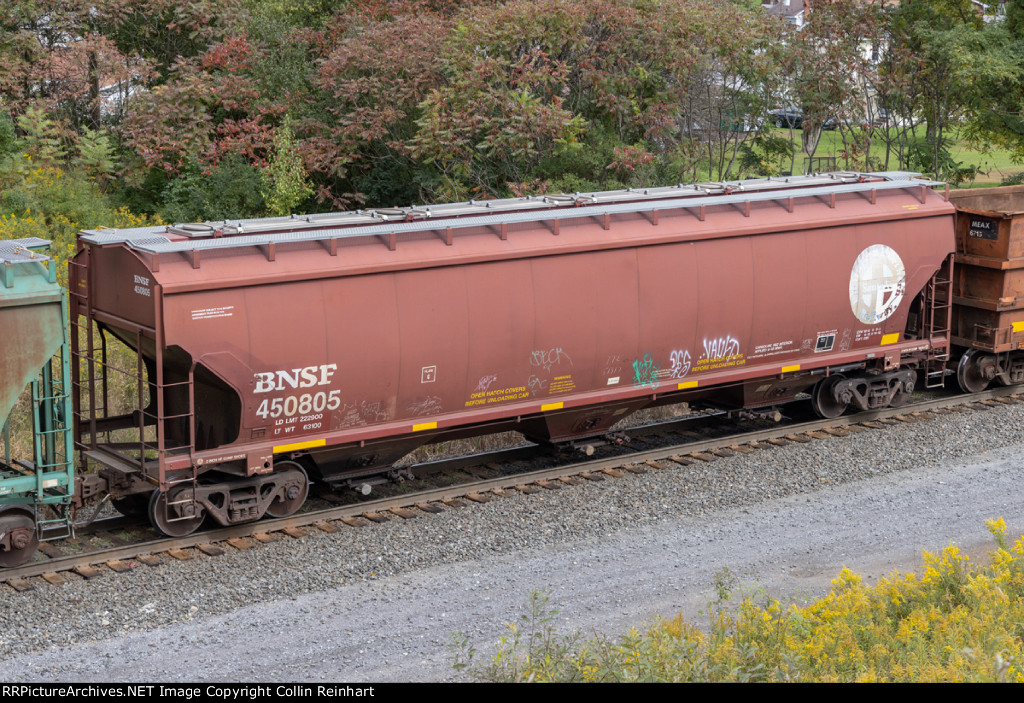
(119, 566)
(614, 473)
(548, 485)
(241, 543)
(325, 526)
(777, 441)
(375, 517)
(430, 507)
(266, 537)
(633, 469)
(87, 572)
(722, 452)
(352, 521)
(51, 550)
(837, 431)
(527, 488)
(814, 434)
(681, 460)
(478, 498)
(54, 578)
(150, 559)
(803, 439)
(210, 550)
(741, 449)
(294, 532)
(404, 513)
(701, 456)
(20, 585)
(453, 502)
(590, 476)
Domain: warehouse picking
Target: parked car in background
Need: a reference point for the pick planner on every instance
(792, 117)
(837, 122)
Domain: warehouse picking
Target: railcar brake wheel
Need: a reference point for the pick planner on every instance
(296, 488)
(18, 537)
(975, 371)
(824, 405)
(172, 517)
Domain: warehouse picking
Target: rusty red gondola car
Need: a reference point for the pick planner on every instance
(269, 352)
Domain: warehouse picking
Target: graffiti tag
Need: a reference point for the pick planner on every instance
(645, 371)
(485, 383)
(680, 360)
(721, 346)
(546, 358)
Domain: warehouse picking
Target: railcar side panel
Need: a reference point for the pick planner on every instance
(416, 346)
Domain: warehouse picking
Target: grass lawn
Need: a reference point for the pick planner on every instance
(994, 165)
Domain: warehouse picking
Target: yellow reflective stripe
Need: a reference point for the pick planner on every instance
(794, 367)
(424, 426)
(1018, 326)
(299, 445)
(687, 384)
(550, 406)
(890, 338)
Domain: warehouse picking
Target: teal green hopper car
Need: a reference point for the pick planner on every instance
(35, 493)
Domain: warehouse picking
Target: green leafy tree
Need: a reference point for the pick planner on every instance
(43, 139)
(949, 67)
(285, 181)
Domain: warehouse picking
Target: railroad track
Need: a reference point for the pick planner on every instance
(57, 567)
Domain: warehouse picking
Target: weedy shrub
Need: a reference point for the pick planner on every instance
(46, 201)
(951, 623)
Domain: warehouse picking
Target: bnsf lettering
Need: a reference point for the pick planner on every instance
(141, 280)
(307, 377)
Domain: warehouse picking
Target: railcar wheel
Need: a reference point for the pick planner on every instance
(295, 491)
(134, 505)
(18, 537)
(175, 519)
(824, 405)
(975, 371)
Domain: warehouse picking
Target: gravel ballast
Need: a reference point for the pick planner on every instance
(381, 603)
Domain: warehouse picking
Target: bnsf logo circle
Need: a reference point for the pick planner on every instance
(877, 284)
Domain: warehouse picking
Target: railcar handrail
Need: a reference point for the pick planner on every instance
(149, 241)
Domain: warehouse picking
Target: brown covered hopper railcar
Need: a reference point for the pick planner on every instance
(331, 345)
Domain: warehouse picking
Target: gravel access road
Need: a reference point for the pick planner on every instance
(381, 603)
